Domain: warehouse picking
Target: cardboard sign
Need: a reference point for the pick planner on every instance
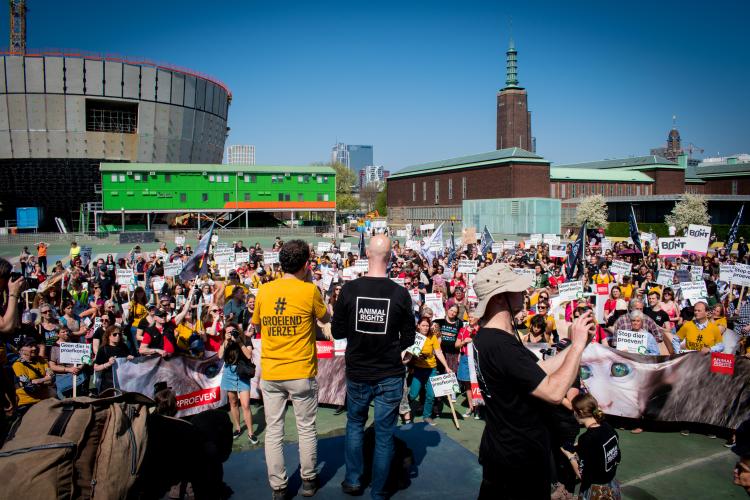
(270, 257)
(665, 277)
(557, 251)
(224, 255)
(672, 247)
(362, 265)
(324, 349)
(523, 270)
(328, 276)
(694, 290)
(632, 342)
(414, 245)
(741, 275)
(722, 363)
(697, 238)
(726, 273)
(241, 258)
(346, 247)
(179, 240)
(416, 347)
(339, 347)
(469, 236)
(467, 266)
(445, 385)
(74, 353)
(124, 276)
(324, 246)
(435, 302)
(158, 284)
(173, 268)
(426, 227)
(399, 281)
(621, 268)
(570, 290)
(498, 247)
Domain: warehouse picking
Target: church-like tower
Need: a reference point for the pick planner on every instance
(513, 116)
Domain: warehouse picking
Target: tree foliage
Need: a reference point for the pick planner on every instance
(345, 179)
(594, 210)
(381, 202)
(691, 209)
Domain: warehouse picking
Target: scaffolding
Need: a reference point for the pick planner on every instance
(18, 26)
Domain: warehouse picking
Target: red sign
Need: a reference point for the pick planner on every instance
(198, 398)
(325, 349)
(602, 289)
(722, 363)
(476, 394)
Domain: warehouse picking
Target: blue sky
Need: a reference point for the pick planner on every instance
(418, 79)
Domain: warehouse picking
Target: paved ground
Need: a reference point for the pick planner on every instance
(655, 465)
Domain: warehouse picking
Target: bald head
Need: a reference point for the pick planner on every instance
(379, 248)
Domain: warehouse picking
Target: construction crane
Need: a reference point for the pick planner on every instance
(18, 26)
(693, 148)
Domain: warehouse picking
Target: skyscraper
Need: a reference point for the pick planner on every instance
(359, 157)
(340, 154)
(241, 154)
(513, 115)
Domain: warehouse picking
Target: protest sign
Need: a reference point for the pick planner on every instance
(469, 236)
(697, 238)
(444, 385)
(435, 302)
(476, 393)
(509, 244)
(650, 237)
(339, 347)
(158, 284)
(524, 271)
(694, 290)
(346, 246)
(414, 245)
(671, 247)
(665, 277)
(401, 233)
(435, 246)
(241, 258)
(471, 295)
(536, 237)
(415, 297)
(324, 246)
(621, 268)
(570, 290)
(125, 276)
(726, 273)
(606, 244)
(632, 342)
(85, 256)
(722, 363)
(75, 353)
(554, 240)
(557, 251)
(426, 227)
(741, 275)
(224, 255)
(497, 247)
(324, 349)
(416, 347)
(270, 257)
(173, 268)
(362, 265)
(467, 266)
(399, 281)
(179, 240)
(328, 276)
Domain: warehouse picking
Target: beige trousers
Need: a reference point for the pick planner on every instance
(304, 395)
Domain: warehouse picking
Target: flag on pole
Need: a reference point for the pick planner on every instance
(197, 265)
(732, 236)
(452, 254)
(485, 244)
(576, 254)
(634, 234)
(362, 249)
(437, 235)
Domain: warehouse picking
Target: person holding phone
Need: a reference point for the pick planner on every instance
(517, 388)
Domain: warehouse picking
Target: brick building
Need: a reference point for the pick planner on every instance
(513, 115)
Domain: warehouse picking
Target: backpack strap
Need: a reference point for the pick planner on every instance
(33, 369)
(61, 422)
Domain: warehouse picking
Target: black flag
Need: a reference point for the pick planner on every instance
(576, 254)
(732, 236)
(634, 234)
(197, 265)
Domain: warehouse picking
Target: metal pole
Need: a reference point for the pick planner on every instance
(247, 220)
(148, 221)
(122, 212)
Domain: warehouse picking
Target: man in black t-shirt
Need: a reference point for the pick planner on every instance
(654, 310)
(515, 447)
(375, 315)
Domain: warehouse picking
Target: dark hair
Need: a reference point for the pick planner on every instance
(585, 405)
(109, 331)
(294, 255)
(139, 296)
(5, 268)
(166, 403)
(539, 321)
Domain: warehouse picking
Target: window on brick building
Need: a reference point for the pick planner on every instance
(437, 192)
(463, 188)
(450, 189)
(424, 190)
(413, 191)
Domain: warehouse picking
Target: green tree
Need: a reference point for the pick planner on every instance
(381, 202)
(691, 209)
(594, 210)
(345, 181)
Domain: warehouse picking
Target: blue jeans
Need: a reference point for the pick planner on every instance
(422, 378)
(387, 394)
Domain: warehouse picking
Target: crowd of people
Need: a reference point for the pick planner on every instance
(306, 293)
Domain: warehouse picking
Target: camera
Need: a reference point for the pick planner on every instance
(235, 334)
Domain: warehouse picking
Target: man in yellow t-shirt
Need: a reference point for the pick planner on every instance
(285, 313)
(700, 334)
(31, 372)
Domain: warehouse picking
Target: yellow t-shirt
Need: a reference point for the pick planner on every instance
(286, 310)
(550, 320)
(137, 312)
(20, 370)
(603, 279)
(230, 288)
(428, 349)
(75, 251)
(627, 291)
(695, 339)
(720, 322)
(182, 334)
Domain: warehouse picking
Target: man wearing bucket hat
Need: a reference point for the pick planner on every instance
(517, 387)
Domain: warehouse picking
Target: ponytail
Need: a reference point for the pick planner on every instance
(586, 406)
(598, 414)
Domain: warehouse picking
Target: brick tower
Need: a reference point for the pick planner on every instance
(513, 115)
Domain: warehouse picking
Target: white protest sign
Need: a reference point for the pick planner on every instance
(401, 233)
(650, 237)
(414, 293)
(398, 281)
(162, 255)
(416, 347)
(85, 255)
(632, 342)
(509, 244)
(536, 237)
(328, 276)
(346, 246)
(324, 246)
(697, 238)
(557, 251)
(426, 227)
(695, 290)
(436, 245)
(726, 273)
(74, 353)
(124, 276)
(606, 245)
(444, 385)
(497, 247)
(525, 271)
(741, 275)
(173, 268)
(621, 268)
(672, 247)
(241, 258)
(414, 245)
(665, 277)
(435, 302)
(179, 240)
(339, 347)
(570, 290)
(270, 257)
(158, 284)
(467, 266)
(224, 255)
(362, 265)
(551, 241)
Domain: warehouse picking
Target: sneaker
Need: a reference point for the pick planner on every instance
(236, 434)
(711, 436)
(253, 439)
(685, 433)
(729, 443)
(476, 416)
(429, 421)
(309, 487)
(349, 489)
(637, 430)
(279, 494)
(468, 414)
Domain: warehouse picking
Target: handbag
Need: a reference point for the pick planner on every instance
(245, 368)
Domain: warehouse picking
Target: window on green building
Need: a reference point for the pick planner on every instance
(325, 180)
(137, 177)
(307, 179)
(281, 196)
(114, 177)
(300, 179)
(122, 177)
(247, 196)
(167, 177)
(183, 197)
(319, 197)
(204, 197)
(300, 197)
(274, 179)
(226, 196)
(325, 197)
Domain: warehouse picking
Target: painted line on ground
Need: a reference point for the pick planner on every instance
(675, 468)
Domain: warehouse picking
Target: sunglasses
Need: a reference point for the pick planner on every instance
(116, 335)
(46, 312)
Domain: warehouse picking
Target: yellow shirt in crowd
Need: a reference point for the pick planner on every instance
(20, 370)
(428, 350)
(286, 311)
(695, 339)
(627, 291)
(137, 313)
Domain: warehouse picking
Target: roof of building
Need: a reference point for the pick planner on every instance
(723, 170)
(595, 174)
(634, 163)
(664, 197)
(498, 156)
(213, 168)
